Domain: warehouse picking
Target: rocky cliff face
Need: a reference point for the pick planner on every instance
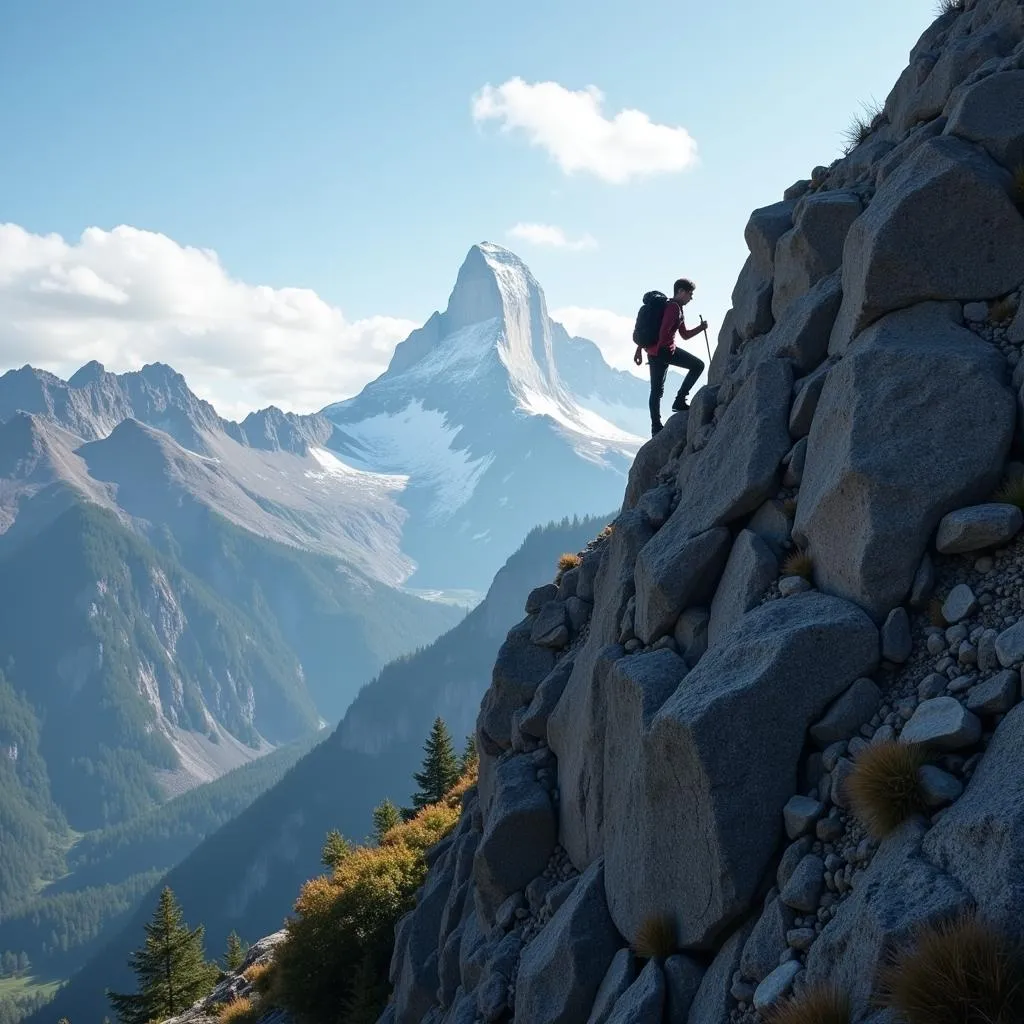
(669, 824)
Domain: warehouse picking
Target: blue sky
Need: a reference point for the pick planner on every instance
(331, 148)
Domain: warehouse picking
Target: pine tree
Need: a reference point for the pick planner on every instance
(335, 849)
(469, 756)
(234, 957)
(385, 817)
(440, 767)
(171, 968)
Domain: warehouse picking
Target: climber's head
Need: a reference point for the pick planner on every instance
(682, 290)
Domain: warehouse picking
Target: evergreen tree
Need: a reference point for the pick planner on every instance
(336, 848)
(171, 968)
(440, 767)
(385, 817)
(469, 756)
(234, 957)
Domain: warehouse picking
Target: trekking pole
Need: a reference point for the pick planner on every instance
(706, 342)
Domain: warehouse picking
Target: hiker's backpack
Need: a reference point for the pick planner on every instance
(648, 320)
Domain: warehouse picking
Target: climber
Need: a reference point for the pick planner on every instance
(661, 349)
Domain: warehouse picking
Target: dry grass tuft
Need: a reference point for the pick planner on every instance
(935, 616)
(241, 1011)
(656, 937)
(822, 1004)
(260, 976)
(944, 7)
(799, 563)
(861, 126)
(1012, 491)
(1002, 309)
(958, 972)
(884, 789)
(567, 562)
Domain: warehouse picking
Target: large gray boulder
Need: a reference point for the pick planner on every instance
(764, 229)
(749, 572)
(563, 967)
(900, 892)
(728, 343)
(620, 975)
(873, 491)
(752, 300)
(802, 333)
(644, 1001)
(713, 1003)
(673, 572)
(739, 468)
(980, 839)
(643, 474)
(713, 769)
(991, 113)
(580, 711)
(520, 832)
(943, 226)
(519, 668)
(814, 248)
(546, 698)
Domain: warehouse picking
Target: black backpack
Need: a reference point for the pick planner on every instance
(648, 320)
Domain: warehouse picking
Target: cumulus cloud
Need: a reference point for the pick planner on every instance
(128, 297)
(573, 129)
(611, 332)
(550, 235)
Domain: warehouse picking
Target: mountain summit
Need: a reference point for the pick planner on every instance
(474, 411)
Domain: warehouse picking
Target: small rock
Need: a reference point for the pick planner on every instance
(987, 659)
(960, 603)
(803, 891)
(844, 768)
(1010, 645)
(935, 645)
(792, 856)
(551, 628)
(938, 787)
(790, 586)
(884, 734)
(742, 991)
(800, 815)
(984, 565)
(981, 526)
(828, 830)
(924, 583)
(776, 986)
(634, 645)
(996, 695)
(847, 712)
(976, 312)
(944, 724)
(896, 639)
(800, 938)
(539, 597)
(832, 753)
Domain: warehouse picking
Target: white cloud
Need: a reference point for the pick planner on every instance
(611, 332)
(574, 131)
(128, 297)
(550, 235)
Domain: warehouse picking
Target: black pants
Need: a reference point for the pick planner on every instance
(659, 365)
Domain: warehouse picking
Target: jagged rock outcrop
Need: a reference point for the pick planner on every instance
(757, 617)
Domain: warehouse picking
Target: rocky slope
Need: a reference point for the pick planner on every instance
(672, 740)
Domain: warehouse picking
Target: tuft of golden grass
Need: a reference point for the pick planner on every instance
(568, 561)
(260, 976)
(799, 563)
(241, 1011)
(957, 971)
(821, 1004)
(944, 7)
(656, 937)
(1001, 310)
(935, 616)
(884, 789)
(1011, 492)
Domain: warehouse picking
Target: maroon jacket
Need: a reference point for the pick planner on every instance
(671, 321)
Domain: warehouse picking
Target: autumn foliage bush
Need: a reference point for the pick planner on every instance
(342, 933)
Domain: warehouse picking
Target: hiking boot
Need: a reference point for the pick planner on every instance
(680, 404)
(655, 429)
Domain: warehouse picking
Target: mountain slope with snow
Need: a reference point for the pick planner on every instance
(498, 420)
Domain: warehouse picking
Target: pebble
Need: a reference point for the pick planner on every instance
(996, 695)
(789, 586)
(938, 787)
(1010, 645)
(828, 830)
(776, 986)
(960, 604)
(800, 815)
(800, 938)
(944, 724)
